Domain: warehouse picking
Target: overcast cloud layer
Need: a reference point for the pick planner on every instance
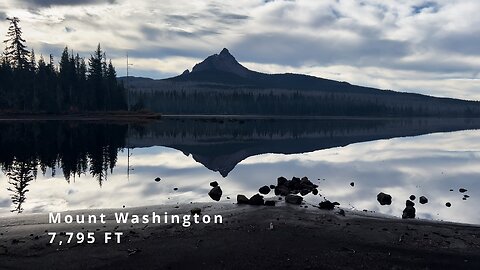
(429, 47)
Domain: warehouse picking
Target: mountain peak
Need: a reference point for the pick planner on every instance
(223, 62)
(224, 52)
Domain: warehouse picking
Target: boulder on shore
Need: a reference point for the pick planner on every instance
(293, 199)
(256, 199)
(242, 199)
(328, 205)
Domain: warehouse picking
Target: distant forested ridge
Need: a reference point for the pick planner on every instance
(31, 86)
(221, 85)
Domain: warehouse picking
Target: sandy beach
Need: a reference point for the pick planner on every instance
(251, 237)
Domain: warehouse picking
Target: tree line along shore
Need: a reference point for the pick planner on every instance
(74, 85)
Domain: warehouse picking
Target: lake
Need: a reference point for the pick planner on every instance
(67, 165)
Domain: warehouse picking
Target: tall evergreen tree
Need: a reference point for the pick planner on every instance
(16, 51)
(95, 78)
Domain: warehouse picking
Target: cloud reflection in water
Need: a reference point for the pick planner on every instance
(428, 165)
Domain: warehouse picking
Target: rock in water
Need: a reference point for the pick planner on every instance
(412, 197)
(264, 190)
(214, 184)
(256, 199)
(448, 204)
(196, 211)
(304, 192)
(272, 186)
(384, 199)
(328, 205)
(352, 184)
(408, 212)
(462, 190)
(423, 200)
(270, 203)
(215, 193)
(157, 179)
(293, 199)
(282, 190)
(242, 199)
(315, 191)
(281, 181)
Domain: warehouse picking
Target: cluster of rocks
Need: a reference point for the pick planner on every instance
(293, 190)
(295, 186)
(409, 211)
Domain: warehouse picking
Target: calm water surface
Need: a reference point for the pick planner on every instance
(56, 166)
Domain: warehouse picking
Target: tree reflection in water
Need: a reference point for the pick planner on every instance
(20, 174)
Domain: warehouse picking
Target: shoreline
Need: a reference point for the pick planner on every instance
(287, 235)
(149, 116)
(86, 116)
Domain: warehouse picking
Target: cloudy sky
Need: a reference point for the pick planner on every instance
(430, 47)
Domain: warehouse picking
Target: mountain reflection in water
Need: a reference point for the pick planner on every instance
(90, 150)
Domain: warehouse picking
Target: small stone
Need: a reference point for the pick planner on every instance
(272, 186)
(352, 184)
(315, 191)
(214, 184)
(293, 199)
(196, 211)
(256, 199)
(270, 203)
(448, 204)
(423, 200)
(264, 190)
(341, 212)
(462, 190)
(409, 203)
(412, 197)
(157, 179)
(384, 199)
(242, 199)
(175, 189)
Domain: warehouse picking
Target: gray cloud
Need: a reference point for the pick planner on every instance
(459, 42)
(431, 40)
(295, 50)
(48, 3)
(154, 33)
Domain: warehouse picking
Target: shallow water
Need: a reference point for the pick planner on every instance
(403, 157)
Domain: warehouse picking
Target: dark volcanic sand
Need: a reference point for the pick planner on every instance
(300, 239)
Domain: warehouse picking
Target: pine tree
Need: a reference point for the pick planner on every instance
(16, 52)
(95, 79)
